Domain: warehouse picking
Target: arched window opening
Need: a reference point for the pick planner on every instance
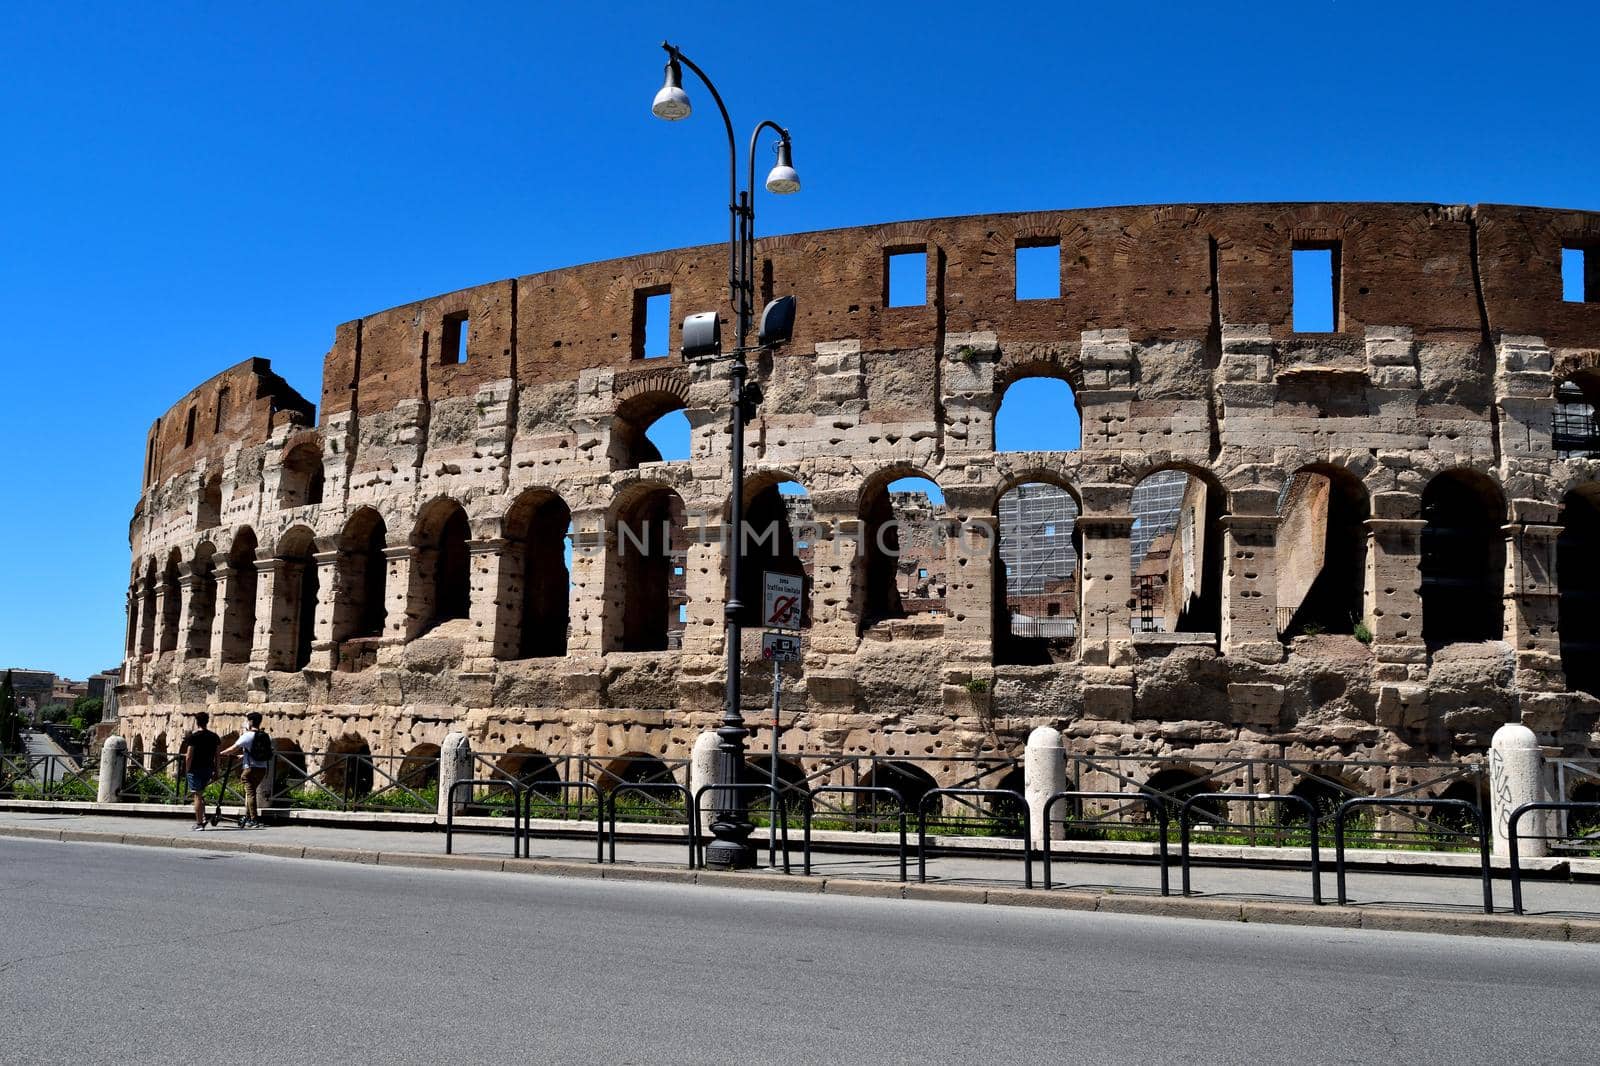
(288, 767)
(419, 770)
(1574, 432)
(1038, 414)
(301, 482)
(158, 754)
(634, 768)
(239, 609)
(539, 534)
(1036, 575)
(1175, 554)
(1322, 553)
(904, 570)
(1324, 795)
(136, 753)
(171, 603)
(1463, 559)
(780, 531)
(1578, 576)
(294, 602)
(147, 611)
(209, 512)
(347, 767)
(908, 779)
(651, 552)
(530, 769)
(442, 577)
(362, 607)
(203, 604)
(791, 782)
(651, 428)
(1174, 786)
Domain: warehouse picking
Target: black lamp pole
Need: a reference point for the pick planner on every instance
(731, 827)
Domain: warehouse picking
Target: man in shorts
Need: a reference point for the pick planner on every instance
(199, 755)
(255, 765)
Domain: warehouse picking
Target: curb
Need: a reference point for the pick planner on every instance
(1407, 920)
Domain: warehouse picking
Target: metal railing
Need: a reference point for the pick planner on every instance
(646, 788)
(1474, 810)
(56, 778)
(961, 795)
(1184, 826)
(774, 809)
(471, 785)
(808, 817)
(530, 796)
(1158, 814)
(1514, 835)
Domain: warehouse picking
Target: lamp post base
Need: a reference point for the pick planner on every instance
(729, 854)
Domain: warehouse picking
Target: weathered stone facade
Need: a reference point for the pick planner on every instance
(397, 570)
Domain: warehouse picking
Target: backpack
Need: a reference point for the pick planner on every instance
(261, 747)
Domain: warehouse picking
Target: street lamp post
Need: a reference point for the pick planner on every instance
(731, 848)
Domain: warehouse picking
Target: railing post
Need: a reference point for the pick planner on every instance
(113, 769)
(455, 764)
(1515, 775)
(1044, 773)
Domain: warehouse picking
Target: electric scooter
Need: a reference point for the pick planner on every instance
(222, 792)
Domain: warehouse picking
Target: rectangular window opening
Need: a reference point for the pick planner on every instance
(1039, 271)
(188, 430)
(652, 323)
(1316, 288)
(222, 408)
(1580, 274)
(907, 283)
(453, 341)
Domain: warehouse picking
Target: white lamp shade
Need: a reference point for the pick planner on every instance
(783, 179)
(671, 103)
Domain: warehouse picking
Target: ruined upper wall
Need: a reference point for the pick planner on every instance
(1163, 273)
(241, 405)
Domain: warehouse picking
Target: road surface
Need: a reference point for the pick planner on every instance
(116, 954)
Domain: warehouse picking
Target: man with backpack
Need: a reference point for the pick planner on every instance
(255, 750)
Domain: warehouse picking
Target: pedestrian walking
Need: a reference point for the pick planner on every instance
(199, 754)
(255, 750)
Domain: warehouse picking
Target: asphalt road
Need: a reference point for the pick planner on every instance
(115, 954)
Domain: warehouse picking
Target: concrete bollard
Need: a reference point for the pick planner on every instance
(455, 764)
(1515, 774)
(703, 772)
(1044, 773)
(113, 769)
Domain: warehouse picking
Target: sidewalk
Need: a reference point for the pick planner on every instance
(1450, 903)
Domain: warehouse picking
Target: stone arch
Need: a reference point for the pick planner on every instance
(361, 611)
(899, 530)
(639, 407)
(347, 766)
(147, 608)
(301, 479)
(537, 584)
(419, 769)
(136, 752)
(634, 768)
(646, 569)
(239, 605)
(295, 588)
(171, 601)
(907, 778)
(1173, 784)
(1038, 593)
(529, 768)
(777, 524)
(441, 576)
(288, 767)
(1578, 585)
(1463, 558)
(1035, 402)
(199, 625)
(792, 782)
(1322, 551)
(1176, 549)
(1326, 789)
(158, 754)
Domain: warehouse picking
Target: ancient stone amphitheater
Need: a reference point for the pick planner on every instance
(451, 543)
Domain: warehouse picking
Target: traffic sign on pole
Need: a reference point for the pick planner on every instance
(781, 598)
(780, 648)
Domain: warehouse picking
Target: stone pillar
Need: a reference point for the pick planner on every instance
(113, 769)
(1515, 774)
(455, 764)
(703, 772)
(1250, 583)
(199, 609)
(329, 593)
(1044, 773)
(398, 624)
(1394, 584)
(495, 571)
(222, 573)
(186, 605)
(268, 573)
(162, 638)
(837, 554)
(145, 598)
(1107, 582)
(969, 628)
(593, 551)
(1532, 598)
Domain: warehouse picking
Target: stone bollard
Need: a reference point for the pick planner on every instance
(703, 771)
(1515, 772)
(1044, 773)
(113, 769)
(455, 764)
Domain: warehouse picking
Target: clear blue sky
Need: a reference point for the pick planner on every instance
(186, 185)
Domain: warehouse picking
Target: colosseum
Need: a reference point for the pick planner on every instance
(1387, 543)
